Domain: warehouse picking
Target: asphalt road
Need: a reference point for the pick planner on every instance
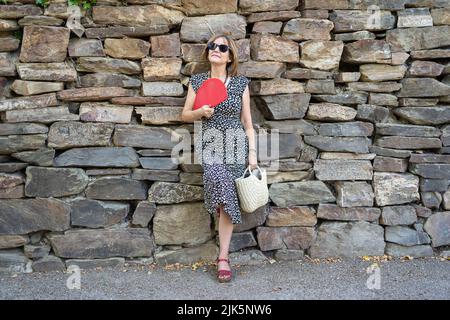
(342, 279)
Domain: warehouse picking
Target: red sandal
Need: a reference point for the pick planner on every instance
(222, 274)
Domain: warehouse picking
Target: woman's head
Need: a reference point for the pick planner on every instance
(220, 43)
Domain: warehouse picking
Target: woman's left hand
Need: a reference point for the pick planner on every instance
(252, 161)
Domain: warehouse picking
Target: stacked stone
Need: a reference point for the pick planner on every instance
(357, 92)
(379, 101)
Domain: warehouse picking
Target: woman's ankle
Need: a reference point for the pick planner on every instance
(223, 256)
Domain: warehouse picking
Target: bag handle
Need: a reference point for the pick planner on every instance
(257, 167)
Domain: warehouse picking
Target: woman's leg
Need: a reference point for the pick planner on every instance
(225, 233)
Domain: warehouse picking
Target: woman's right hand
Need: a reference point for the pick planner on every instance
(207, 111)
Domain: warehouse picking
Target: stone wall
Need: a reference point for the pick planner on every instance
(360, 96)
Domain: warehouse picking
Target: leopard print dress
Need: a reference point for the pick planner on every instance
(222, 148)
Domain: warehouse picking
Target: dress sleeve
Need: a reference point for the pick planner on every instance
(194, 82)
(245, 82)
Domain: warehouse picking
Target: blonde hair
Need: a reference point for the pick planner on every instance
(232, 66)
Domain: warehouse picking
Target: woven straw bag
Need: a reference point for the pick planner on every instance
(252, 190)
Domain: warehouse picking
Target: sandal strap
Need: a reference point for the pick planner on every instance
(224, 274)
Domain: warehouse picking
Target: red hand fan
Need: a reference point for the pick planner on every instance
(212, 92)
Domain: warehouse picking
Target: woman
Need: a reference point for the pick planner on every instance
(230, 116)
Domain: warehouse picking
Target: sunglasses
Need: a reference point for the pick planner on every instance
(222, 47)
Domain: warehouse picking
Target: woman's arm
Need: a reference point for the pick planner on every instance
(189, 115)
(246, 119)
